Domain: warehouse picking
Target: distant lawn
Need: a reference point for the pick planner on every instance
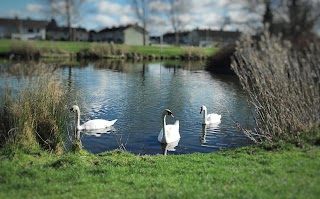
(75, 47)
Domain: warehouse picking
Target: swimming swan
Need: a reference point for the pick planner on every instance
(91, 124)
(171, 131)
(209, 118)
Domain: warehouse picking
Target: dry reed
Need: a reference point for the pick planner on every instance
(34, 116)
(282, 83)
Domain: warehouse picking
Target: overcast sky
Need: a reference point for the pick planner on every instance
(99, 14)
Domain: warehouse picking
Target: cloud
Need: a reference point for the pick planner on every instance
(34, 8)
(112, 8)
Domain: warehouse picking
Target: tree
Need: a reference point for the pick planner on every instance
(175, 14)
(142, 11)
(293, 18)
(66, 10)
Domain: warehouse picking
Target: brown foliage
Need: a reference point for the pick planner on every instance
(283, 84)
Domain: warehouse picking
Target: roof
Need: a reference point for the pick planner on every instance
(122, 28)
(217, 33)
(27, 23)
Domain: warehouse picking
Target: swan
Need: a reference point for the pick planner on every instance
(91, 124)
(169, 133)
(209, 118)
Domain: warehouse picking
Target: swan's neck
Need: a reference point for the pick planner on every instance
(78, 120)
(164, 136)
(204, 116)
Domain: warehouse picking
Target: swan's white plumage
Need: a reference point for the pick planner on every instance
(209, 118)
(171, 130)
(91, 124)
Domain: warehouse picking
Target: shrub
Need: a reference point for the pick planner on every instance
(220, 62)
(35, 116)
(283, 84)
(193, 53)
(26, 49)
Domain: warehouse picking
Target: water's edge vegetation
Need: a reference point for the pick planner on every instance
(90, 50)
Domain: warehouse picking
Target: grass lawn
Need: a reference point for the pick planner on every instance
(74, 47)
(248, 172)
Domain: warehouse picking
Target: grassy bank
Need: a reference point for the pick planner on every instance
(249, 172)
(67, 48)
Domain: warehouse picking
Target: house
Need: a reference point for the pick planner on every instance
(54, 32)
(209, 38)
(23, 29)
(128, 35)
(170, 38)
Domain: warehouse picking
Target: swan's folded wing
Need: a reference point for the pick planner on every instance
(98, 124)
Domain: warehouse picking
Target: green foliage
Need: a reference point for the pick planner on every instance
(249, 172)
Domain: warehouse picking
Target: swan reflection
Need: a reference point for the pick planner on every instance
(99, 132)
(169, 146)
(213, 127)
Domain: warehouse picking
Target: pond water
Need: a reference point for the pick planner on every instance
(137, 93)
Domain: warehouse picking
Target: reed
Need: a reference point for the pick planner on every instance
(194, 53)
(34, 116)
(283, 85)
(25, 49)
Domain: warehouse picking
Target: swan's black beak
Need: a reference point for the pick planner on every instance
(170, 114)
(201, 110)
(71, 109)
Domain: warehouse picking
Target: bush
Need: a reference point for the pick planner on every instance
(283, 85)
(35, 116)
(25, 49)
(193, 53)
(220, 62)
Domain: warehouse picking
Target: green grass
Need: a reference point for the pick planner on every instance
(167, 51)
(249, 172)
(75, 47)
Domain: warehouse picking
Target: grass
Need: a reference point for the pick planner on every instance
(76, 47)
(249, 172)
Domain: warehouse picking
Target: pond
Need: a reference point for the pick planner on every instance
(137, 93)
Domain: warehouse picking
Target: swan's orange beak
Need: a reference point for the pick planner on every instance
(171, 115)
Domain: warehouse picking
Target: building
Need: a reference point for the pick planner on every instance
(170, 38)
(128, 35)
(210, 38)
(23, 29)
(54, 32)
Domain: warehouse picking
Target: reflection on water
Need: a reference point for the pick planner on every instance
(137, 93)
(99, 132)
(169, 146)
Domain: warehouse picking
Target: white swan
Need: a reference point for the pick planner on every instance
(91, 124)
(169, 133)
(209, 118)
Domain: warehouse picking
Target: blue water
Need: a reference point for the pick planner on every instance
(136, 94)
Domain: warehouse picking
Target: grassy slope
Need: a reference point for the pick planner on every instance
(241, 173)
(74, 47)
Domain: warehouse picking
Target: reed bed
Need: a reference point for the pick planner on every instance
(282, 83)
(34, 116)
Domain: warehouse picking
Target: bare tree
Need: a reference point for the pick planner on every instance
(175, 14)
(293, 18)
(67, 10)
(142, 11)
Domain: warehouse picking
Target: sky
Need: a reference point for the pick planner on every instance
(100, 14)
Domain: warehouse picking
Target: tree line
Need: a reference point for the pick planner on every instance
(294, 19)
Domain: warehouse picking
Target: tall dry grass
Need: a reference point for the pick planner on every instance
(282, 83)
(35, 116)
(102, 50)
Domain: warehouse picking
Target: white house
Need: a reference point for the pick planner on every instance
(23, 29)
(128, 35)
